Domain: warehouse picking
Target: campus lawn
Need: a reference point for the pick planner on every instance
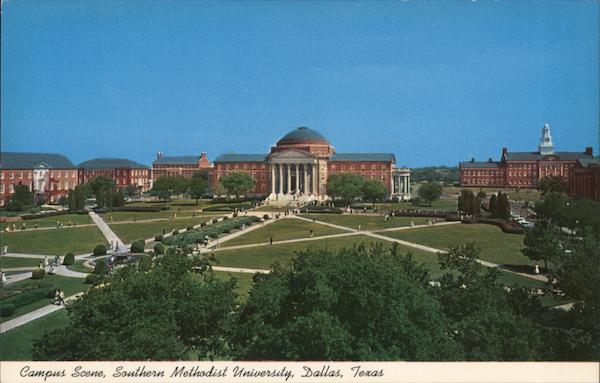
(78, 266)
(281, 230)
(367, 222)
(129, 232)
(54, 242)
(17, 343)
(6, 262)
(521, 195)
(122, 216)
(495, 245)
(78, 219)
(69, 285)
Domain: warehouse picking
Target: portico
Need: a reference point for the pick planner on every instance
(293, 172)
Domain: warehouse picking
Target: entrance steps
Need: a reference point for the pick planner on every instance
(291, 200)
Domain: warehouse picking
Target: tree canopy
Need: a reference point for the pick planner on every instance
(237, 183)
(373, 191)
(552, 184)
(22, 199)
(430, 191)
(165, 186)
(198, 186)
(347, 186)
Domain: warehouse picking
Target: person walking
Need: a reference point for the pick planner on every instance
(271, 241)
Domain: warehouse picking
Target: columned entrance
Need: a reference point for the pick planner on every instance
(296, 178)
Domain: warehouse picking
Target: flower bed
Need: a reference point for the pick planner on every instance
(212, 231)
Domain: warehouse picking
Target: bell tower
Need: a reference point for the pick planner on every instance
(546, 146)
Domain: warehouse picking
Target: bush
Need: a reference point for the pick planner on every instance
(92, 279)
(69, 259)
(175, 232)
(138, 246)
(225, 218)
(38, 274)
(99, 250)
(189, 228)
(100, 268)
(159, 248)
(7, 310)
(158, 238)
(203, 224)
(27, 297)
(266, 216)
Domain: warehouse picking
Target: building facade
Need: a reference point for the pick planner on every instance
(584, 180)
(184, 166)
(124, 172)
(48, 176)
(522, 169)
(298, 167)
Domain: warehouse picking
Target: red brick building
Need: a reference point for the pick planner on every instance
(298, 167)
(48, 176)
(124, 172)
(584, 180)
(184, 166)
(522, 169)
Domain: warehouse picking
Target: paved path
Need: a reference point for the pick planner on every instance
(21, 255)
(326, 223)
(417, 226)
(110, 235)
(240, 270)
(13, 278)
(50, 228)
(33, 315)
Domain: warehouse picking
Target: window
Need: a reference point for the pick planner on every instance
(342, 168)
(373, 167)
(362, 167)
(351, 167)
(12, 175)
(11, 188)
(383, 167)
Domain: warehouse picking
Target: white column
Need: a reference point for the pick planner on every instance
(289, 178)
(272, 178)
(297, 179)
(280, 188)
(314, 177)
(305, 174)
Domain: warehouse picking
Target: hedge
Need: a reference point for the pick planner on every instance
(190, 228)
(100, 268)
(51, 214)
(158, 238)
(100, 250)
(69, 259)
(92, 279)
(212, 231)
(159, 248)
(321, 209)
(27, 297)
(506, 227)
(7, 310)
(138, 246)
(38, 274)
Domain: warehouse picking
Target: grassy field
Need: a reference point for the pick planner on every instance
(78, 266)
(243, 282)
(54, 242)
(129, 232)
(184, 204)
(69, 285)
(441, 204)
(121, 216)
(521, 195)
(17, 343)
(18, 262)
(282, 230)
(495, 245)
(367, 222)
(78, 219)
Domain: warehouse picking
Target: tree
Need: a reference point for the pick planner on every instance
(22, 199)
(430, 191)
(349, 304)
(165, 186)
(481, 195)
(493, 206)
(347, 186)
(119, 199)
(552, 184)
(502, 206)
(466, 202)
(151, 310)
(237, 183)
(63, 201)
(542, 243)
(101, 198)
(198, 186)
(373, 191)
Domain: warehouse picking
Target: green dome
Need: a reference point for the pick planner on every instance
(302, 134)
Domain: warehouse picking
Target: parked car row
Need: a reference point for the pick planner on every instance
(521, 221)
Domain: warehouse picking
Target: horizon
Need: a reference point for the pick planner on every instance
(434, 83)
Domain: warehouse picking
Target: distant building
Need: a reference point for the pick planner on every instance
(522, 169)
(48, 176)
(123, 171)
(584, 180)
(299, 165)
(184, 166)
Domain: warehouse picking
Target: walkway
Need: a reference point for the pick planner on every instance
(33, 315)
(110, 235)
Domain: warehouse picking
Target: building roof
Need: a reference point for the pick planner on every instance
(479, 164)
(232, 157)
(302, 134)
(111, 163)
(364, 157)
(20, 160)
(586, 162)
(534, 156)
(177, 160)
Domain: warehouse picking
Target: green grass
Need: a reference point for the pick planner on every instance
(17, 343)
(79, 219)
(367, 222)
(69, 285)
(129, 232)
(495, 245)
(281, 230)
(243, 282)
(54, 242)
(78, 266)
(121, 216)
(6, 262)
(521, 195)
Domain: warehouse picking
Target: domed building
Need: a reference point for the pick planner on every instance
(298, 166)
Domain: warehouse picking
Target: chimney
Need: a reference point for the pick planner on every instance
(589, 150)
(159, 155)
(490, 159)
(504, 151)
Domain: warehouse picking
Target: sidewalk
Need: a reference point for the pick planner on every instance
(110, 235)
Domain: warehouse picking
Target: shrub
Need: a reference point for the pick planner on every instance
(225, 218)
(27, 297)
(159, 248)
(69, 259)
(7, 310)
(138, 246)
(99, 250)
(158, 238)
(189, 228)
(38, 274)
(100, 268)
(175, 232)
(215, 220)
(213, 235)
(266, 216)
(92, 279)
(203, 224)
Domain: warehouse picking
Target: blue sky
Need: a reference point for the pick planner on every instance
(433, 82)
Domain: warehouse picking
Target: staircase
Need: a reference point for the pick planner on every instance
(290, 200)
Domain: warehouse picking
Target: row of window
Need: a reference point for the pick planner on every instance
(483, 172)
(27, 175)
(53, 187)
(362, 167)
